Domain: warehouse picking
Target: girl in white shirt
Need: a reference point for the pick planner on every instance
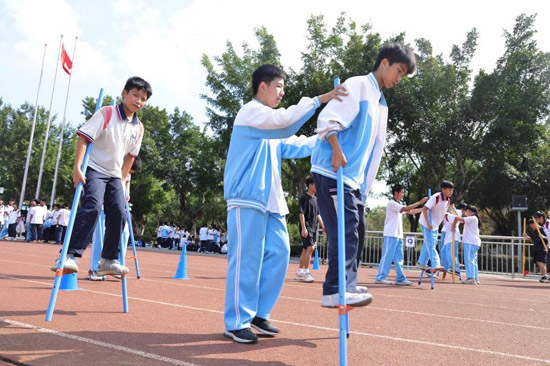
(471, 243)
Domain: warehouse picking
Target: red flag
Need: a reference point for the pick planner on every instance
(65, 60)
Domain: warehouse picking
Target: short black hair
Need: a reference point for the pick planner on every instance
(460, 206)
(396, 52)
(540, 214)
(136, 165)
(135, 82)
(396, 188)
(530, 221)
(447, 184)
(309, 180)
(266, 73)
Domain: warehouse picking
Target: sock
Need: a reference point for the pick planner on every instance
(306, 270)
(300, 271)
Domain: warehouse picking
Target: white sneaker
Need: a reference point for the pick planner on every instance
(111, 267)
(300, 276)
(92, 276)
(352, 299)
(423, 266)
(69, 266)
(309, 278)
(383, 282)
(361, 289)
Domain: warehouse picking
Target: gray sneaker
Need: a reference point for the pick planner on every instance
(403, 283)
(92, 276)
(69, 266)
(111, 267)
(352, 299)
(383, 282)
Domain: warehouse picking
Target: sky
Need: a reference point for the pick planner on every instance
(163, 41)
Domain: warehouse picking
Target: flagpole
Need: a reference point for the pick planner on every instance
(22, 196)
(52, 199)
(48, 125)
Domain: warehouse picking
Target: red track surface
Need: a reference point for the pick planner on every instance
(180, 322)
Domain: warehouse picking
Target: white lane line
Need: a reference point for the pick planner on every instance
(115, 347)
(302, 299)
(311, 326)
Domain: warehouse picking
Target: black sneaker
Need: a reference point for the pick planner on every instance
(264, 326)
(242, 335)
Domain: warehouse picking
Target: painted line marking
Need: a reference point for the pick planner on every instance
(115, 347)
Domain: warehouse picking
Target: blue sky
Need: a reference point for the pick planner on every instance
(163, 41)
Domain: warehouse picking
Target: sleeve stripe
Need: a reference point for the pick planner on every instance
(87, 137)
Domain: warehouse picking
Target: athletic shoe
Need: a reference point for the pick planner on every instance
(69, 266)
(477, 282)
(544, 279)
(308, 278)
(300, 276)
(439, 268)
(469, 281)
(111, 267)
(241, 336)
(264, 326)
(423, 266)
(92, 276)
(383, 282)
(352, 299)
(403, 283)
(361, 289)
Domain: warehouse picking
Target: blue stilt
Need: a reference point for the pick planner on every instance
(69, 231)
(316, 260)
(181, 272)
(131, 231)
(342, 307)
(122, 260)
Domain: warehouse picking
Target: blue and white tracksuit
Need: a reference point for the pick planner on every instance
(258, 243)
(446, 243)
(472, 242)
(438, 206)
(360, 122)
(392, 249)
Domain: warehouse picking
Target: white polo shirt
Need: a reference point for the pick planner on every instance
(439, 207)
(546, 228)
(448, 228)
(203, 233)
(63, 217)
(393, 224)
(38, 215)
(14, 215)
(113, 136)
(471, 231)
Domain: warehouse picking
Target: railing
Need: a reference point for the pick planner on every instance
(497, 254)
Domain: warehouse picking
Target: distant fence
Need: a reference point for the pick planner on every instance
(497, 254)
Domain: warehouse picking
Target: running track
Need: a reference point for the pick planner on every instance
(180, 322)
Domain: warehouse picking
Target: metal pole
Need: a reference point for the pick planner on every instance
(22, 196)
(52, 199)
(48, 125)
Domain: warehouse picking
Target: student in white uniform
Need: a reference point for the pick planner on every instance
(446, 248)
(438, 204)
(471, 243)
(392, 249)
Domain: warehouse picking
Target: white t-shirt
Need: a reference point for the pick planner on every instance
(63, 217)
(55, 216)
(37, 215)
(276, 202)
(203, 233)
(13, 216)
(448, 228)
(7, 210)
(471, 231)
(393, 224)
(546, 228)
(114, 136)
(2, 214)
(439, 207)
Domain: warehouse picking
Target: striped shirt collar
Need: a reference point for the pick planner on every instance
(122, 115)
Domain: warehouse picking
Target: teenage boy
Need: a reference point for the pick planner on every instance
(309, 216)
(392, 249)
(439, 204)
(37, 217)
(62, 223)
(116, 134)
(12, 222)
(352, 136)
(540, 249)
(543, 222)
(257, 234)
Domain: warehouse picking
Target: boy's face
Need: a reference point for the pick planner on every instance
(134, 99)
(539, 219)
(391, 74)
(447, 192)
(312, 188)
(273, 92)
(399, 195)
